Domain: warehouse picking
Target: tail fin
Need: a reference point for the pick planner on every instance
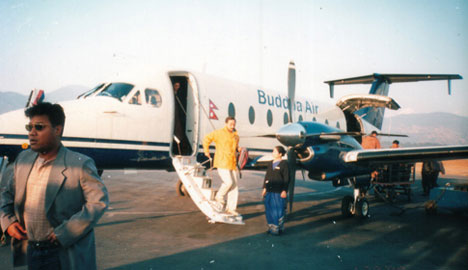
(372, 115)
(380, 86)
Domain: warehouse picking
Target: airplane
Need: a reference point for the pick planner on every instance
(129, 123)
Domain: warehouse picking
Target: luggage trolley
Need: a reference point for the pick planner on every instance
(393, 180)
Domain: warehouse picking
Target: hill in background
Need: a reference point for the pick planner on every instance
(437, 128)
(10, 101)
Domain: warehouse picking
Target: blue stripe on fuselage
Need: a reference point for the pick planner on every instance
(92, 140)
(106, 158)
(110, 158)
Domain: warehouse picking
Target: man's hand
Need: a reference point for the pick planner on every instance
(52, 238)
(16, 231)
(263, 192)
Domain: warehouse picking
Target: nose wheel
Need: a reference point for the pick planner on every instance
(181, 191)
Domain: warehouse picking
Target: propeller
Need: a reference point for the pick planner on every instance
(291, 89)
(291, 134)
(392, 135)
(292, 176)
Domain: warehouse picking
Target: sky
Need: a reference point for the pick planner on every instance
(48, 44)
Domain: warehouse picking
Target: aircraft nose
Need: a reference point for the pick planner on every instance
(292, 134)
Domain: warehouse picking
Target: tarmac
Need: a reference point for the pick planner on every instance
(148, 226)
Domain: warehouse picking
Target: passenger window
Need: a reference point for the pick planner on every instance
(251, 115)
(269, 118)
(136, 99)
(153, 97)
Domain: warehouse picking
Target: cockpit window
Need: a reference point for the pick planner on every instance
(153, 97)
(136, 99)
(117, 90)
(90, 92)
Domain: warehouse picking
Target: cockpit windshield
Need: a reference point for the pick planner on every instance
(90, 92)
(117, 90)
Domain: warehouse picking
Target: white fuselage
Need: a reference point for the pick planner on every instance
(138, 128)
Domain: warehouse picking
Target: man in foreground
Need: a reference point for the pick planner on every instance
(53, 198)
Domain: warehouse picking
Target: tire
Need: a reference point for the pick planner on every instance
(181, 191)
(362, 208)
(347, 206)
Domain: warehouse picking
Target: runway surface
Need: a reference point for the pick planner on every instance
(148, 226)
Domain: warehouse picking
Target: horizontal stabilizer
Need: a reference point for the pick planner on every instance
(395, 78)
(377, 79)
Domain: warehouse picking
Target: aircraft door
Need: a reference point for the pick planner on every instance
(186, 114)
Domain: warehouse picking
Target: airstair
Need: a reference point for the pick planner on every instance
(198, 185)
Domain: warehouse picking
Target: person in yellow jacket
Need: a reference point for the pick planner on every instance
(226, 143)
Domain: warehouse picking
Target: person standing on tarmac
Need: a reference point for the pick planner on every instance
(6, 175)
(226, 142)
(429, 174)
(275, 187)
(52, 198)
(395, 144)
(371, 141)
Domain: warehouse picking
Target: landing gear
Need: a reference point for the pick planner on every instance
(362, 208)
(347, 205)
(181, 191)
(356, 205)
(359, 209)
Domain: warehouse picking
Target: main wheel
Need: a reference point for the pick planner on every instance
(347, 206)
(362, 208)
(181, 191)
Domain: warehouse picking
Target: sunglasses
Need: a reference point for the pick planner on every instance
(37, 127)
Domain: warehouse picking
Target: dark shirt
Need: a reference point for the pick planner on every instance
(277, 177)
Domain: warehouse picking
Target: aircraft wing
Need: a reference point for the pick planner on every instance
(404, 155)
(395, 78)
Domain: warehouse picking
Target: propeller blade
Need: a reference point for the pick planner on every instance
(292, 176)
(392, 135)
(351, 133)
(260, 136)
(291, 89)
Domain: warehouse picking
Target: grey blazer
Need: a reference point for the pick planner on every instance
(76, 198)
